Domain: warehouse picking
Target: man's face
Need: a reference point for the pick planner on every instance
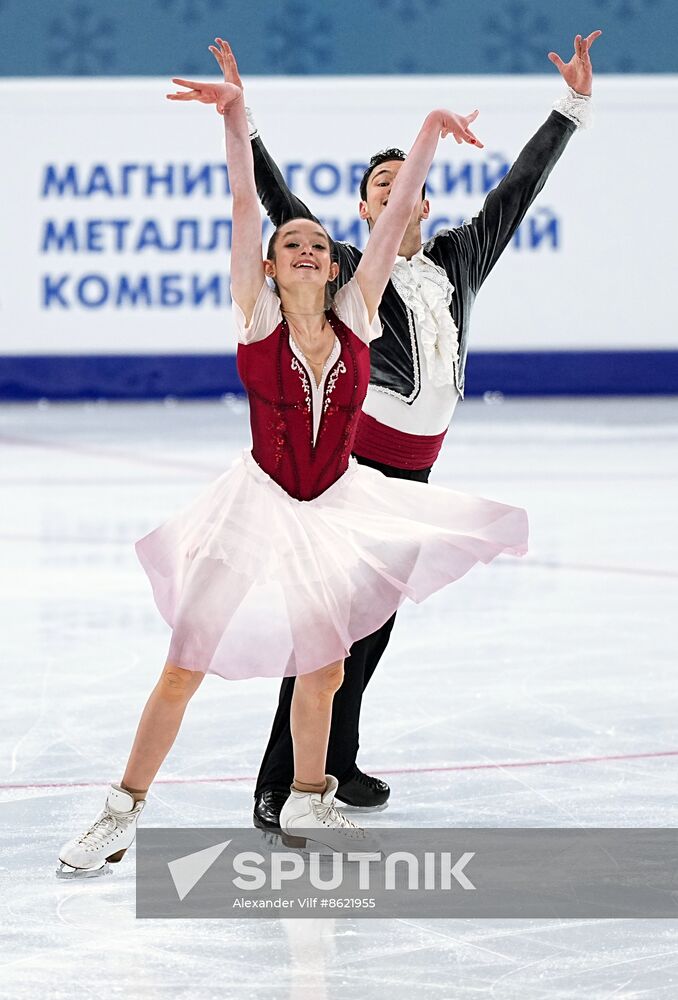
(379, 187)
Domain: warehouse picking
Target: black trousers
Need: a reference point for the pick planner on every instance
(277, 766)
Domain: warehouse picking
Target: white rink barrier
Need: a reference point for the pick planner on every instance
(116, 237)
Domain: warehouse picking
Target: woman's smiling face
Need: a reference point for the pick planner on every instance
(301, 255)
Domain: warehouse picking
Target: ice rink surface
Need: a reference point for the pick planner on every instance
(563, 662)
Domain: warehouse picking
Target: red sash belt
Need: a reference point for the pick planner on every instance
(384, 444)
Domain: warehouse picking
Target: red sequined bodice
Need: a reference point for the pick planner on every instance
(281, 409)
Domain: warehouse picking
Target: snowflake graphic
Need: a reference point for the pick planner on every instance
(517, 38)
(299, 40)
(408, 65)
(192, 10)
(626, 9)
(625, 63)
(406, 10)
(81, 41)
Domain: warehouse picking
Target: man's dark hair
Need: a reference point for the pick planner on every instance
(382, 157)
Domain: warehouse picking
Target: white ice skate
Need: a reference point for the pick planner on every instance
(312, 821)
(107, 839)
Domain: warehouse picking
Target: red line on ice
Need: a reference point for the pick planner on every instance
(494, 766)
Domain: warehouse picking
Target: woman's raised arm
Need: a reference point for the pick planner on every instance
(247, 267)
(387, 233)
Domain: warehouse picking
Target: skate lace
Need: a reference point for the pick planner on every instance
(100, 830)
(328, 814)
(367, 780)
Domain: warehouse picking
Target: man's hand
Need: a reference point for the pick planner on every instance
(227, 64)
(458, 125)
(578, 73)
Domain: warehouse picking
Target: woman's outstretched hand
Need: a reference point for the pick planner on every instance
(227, 64)
(224, 95)
(458, 126)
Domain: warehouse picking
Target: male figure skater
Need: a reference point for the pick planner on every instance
(417, 376)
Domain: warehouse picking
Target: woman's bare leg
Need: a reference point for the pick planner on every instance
(158, 726)
(114, 830)
(310, 718)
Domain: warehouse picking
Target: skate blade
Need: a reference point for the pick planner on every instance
(66, 871)
(306, 846)
(276, 839)
(271, 838)
(345, 807)
(303, 845)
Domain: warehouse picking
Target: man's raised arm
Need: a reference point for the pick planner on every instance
(489, 232)
(279, 202)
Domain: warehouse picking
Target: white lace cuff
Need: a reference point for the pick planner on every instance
(576, 107)
(254, 131)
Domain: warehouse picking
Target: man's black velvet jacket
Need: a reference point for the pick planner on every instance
(467, 254)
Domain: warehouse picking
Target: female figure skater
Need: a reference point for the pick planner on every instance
(296, 552)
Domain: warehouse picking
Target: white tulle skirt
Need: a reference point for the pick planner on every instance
(257, 584)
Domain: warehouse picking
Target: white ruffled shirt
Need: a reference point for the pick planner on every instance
(426, 290)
